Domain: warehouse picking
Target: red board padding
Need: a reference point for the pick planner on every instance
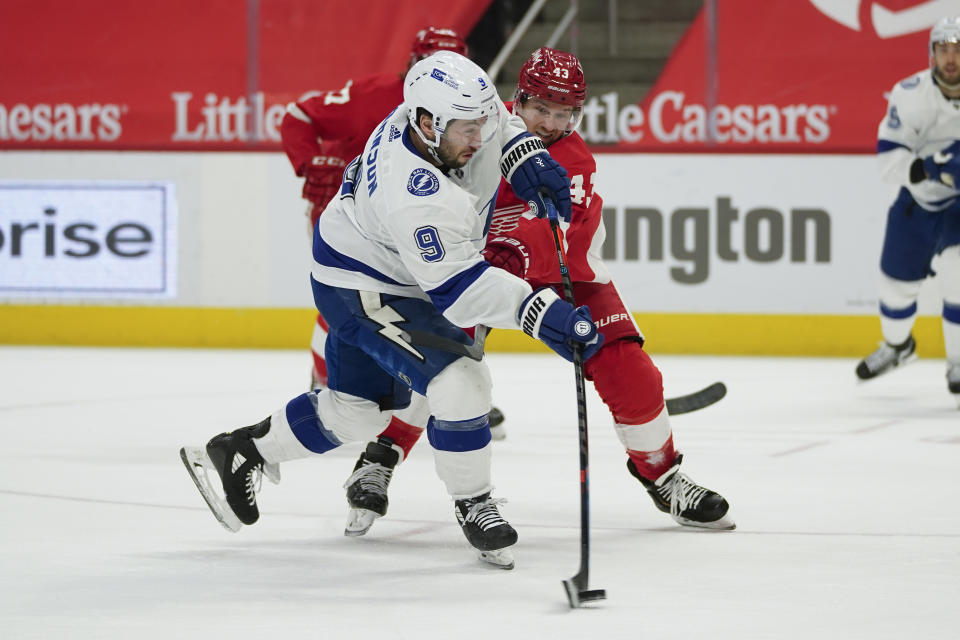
(800, 76)
(191, 74)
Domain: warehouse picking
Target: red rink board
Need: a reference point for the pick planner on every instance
(804, 75)
(110, 74)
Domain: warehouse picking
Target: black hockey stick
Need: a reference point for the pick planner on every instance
(696, 400)
(473, 351)
(576, 587)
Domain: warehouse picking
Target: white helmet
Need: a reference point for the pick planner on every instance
(450, 87)
(946, 30)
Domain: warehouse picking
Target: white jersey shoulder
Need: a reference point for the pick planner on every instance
(919, 121)
(409, 228)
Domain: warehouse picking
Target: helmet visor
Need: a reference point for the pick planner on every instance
(552, 116)
(474, 131)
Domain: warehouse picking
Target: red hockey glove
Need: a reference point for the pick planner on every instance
(323, 176)
(508, 254)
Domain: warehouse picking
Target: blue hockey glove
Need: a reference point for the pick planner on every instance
(544, 316)
(944, 166)
(529, 169)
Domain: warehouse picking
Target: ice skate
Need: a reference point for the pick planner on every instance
(367, 486)
(486, 529)
(887, 357)
(235, 459)
(687, 502)
(496, 418)
(953, 381)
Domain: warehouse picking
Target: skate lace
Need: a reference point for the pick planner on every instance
(254, 482)
(683, 493)
(485, 513)
(372, 476)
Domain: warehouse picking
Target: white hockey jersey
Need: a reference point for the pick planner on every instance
(920, 121)
(409, 229)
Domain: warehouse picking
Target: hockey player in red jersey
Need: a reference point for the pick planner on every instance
(324, 130)
(549, 97)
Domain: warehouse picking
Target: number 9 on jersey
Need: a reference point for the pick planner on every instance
(428, 240)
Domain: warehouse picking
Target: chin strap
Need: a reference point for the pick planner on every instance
(431, 146)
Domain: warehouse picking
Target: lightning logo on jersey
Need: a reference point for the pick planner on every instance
(422, 182)
(386, 317)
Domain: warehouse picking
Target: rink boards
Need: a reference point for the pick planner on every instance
(715, 253)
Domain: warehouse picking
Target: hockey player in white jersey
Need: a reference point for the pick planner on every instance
(919, 149)
(397, 271)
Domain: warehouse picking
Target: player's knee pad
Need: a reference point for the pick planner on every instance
(627, 381)
(898, 295)
(350, 418)
(462, 391)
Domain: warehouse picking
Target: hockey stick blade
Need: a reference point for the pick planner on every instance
(696, 400)
(577, 596)
(473, 351)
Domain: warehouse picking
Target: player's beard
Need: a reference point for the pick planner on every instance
(949, 80)
(450, 158)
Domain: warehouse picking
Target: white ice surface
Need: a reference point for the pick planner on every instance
(845, 495)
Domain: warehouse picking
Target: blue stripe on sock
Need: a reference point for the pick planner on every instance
(459, 435)
(898, 314)
(951, 312)
(306, 425)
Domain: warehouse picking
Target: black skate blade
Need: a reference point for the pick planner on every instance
(577, 596)
(696, 400)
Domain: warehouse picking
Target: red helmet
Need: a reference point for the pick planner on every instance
(555, 76)
(432, 39)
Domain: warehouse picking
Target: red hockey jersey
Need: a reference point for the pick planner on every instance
(340, 120)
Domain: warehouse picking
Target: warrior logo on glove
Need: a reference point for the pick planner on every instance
(559, 324)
